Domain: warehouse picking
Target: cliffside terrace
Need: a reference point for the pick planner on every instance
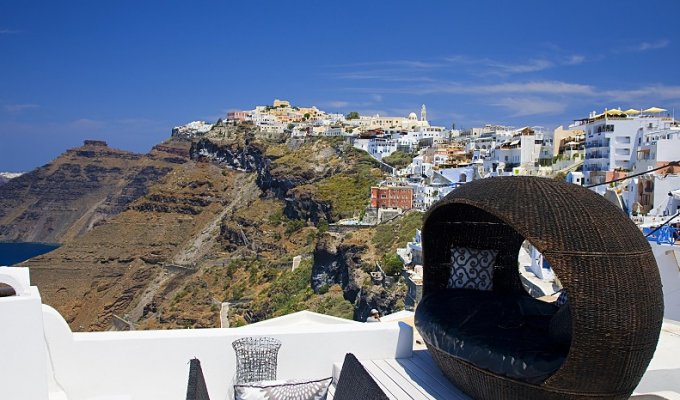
(43, 359)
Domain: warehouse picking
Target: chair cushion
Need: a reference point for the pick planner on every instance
(471, 268)
(560, 326)
(504, 334)
(283, 390)
(356, 383)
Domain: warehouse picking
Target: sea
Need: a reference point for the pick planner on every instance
(14, 253)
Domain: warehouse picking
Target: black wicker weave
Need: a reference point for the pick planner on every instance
(196, 389)
(7, 291)
(256, 358)
(356, 383)
(600, 257)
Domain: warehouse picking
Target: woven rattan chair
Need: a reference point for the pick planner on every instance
(256, 358)
(600, 257)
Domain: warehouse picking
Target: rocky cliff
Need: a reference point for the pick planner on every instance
(69, 196)
(222, 225)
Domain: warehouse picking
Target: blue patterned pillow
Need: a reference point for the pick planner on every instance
(283, 390)
(472, 268)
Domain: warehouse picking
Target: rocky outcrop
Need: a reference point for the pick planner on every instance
(248, 157)
(332, 262)
(232, 235)
(69, 196)
(301, 205)
(336, 262)
(386, 300)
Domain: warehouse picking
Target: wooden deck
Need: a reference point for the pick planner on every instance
(417, 377)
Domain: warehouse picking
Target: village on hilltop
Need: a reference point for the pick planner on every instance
(427, 162)
(595, 149)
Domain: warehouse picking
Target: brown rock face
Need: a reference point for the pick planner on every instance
(159, 241)
(69, 196)
(121, 267)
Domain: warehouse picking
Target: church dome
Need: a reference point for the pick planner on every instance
(413, 116)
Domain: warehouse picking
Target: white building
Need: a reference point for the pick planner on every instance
(377, 146)
(424, 196)
(575, 177)
(260, 119)
(655, 194)
(523, 150)
(334, 131)
(485, 130)
(611, 138)
(195, 128)
(419, 167)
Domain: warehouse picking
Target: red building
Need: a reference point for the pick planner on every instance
(237, 116)
(392, 197)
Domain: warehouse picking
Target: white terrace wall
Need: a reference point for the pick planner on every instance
(23, 357)
(668, 260)
(142, 365)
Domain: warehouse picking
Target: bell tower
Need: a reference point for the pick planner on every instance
(423, 113)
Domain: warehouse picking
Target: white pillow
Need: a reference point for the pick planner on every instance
(292, 389)
(472, 268)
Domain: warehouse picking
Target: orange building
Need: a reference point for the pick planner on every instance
(392, 197)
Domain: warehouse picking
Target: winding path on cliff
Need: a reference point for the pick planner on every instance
(244, 191)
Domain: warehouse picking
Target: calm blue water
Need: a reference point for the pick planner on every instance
(12, 253)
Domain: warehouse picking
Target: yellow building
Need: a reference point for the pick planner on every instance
(281, 103)
(559, 134)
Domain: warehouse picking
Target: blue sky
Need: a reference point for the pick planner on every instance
(128, 71)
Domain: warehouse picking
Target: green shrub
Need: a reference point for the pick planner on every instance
(398, 232)
(399, 159)
(322, 226)
(294, 225)
(392, 264)
(323, 289)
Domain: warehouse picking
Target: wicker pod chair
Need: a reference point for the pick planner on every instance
(615, 306)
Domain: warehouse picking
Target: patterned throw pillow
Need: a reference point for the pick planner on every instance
(283, 390)
(472, 268)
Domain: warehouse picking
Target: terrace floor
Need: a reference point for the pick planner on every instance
(419, 377)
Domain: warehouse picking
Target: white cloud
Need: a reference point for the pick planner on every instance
(551, 87)
(337, 104)
(645, 93)
(9, 31)
(524, 106)
(15, 108)
(538, 87)
(520, 68)
(659, 44)
(502, 68)
(395, 63)
(575, 59)
(381, 75)
(644, 46)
